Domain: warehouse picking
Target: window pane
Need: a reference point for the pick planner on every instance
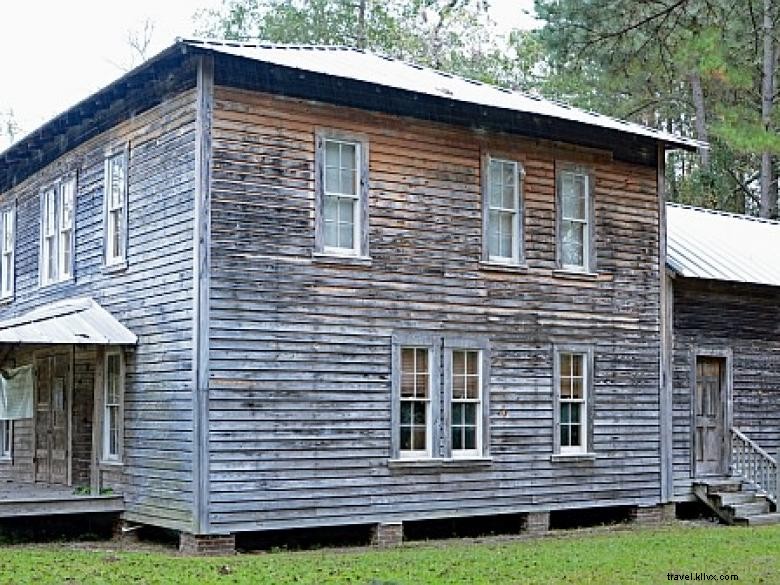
(346, 208)
(565, 436)
(470, 439)
(509, 197)
(348, 156)
(575, 435)
(8, 231)
(457, 438)
(348, 182)
(332, 180)
(494, 234)
(577, 364)
(573, 240)
(472, 363)
(418, 439)
(472, 387)
(565, 412)
(418, 413)
(457, 413)
(573, 196)
(470, 414)
(576, 412)
(406, 413)
(117, 187)
(332, 154)
(565, 359)
(406, 438)
(576, 388)
(421, 360)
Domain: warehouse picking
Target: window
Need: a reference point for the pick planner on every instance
(115, 223)
(58, 204)
(7, 243)
(6, 439)
(439, 397)
(502, 201)
(342, 193)
(415, 401)
(466, 403)
(112, 407)
(573, 375)
(574, 219)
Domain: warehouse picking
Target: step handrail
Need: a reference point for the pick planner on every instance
(754, 464)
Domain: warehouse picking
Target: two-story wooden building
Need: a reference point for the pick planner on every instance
(282, 287)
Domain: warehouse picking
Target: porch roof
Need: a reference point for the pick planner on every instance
(715, 245)
(70, 322)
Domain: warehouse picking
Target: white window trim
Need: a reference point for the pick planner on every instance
(421, 453)
(517, 257)
(57, 275)
(478, 431)
(586, 436)
(356, 231)
(7, 257)
(588, 263)
(105, 456)
(65, 269)
(110, 260)
(360, 199)
(6, 450)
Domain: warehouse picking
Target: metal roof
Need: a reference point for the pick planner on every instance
(74, 321)
(722, 246)
(360, 65)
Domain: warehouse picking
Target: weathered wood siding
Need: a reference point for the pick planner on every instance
(744, 319)
(152, 297)
(300, 352)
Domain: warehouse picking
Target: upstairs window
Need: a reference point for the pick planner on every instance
(502, 200)
(342, 192)
(58, 204)
(7, 244)
(115, 221)
(575, 210)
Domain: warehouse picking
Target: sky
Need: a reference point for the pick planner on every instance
(78, 46)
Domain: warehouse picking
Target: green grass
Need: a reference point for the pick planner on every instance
(600, 556)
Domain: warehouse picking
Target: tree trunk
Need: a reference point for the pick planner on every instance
(767, 197)
(361, 37)
(701, 118)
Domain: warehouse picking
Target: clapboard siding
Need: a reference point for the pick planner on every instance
(152, 297)
(300, 349)
(724, 316)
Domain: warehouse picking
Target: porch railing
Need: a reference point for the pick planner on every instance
(754, 465)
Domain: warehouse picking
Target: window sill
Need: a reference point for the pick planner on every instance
(111, 464)
(340, 260)
(575, 274)
(572, 457)
(57, 283)
(440, 462)
(118, 267)
(493, 266)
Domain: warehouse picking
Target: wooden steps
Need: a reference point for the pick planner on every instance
(736, 503)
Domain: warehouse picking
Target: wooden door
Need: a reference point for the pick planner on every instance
(709, 417)
(52, 432)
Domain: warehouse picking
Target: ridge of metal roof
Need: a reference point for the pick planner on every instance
(717, 245)
(366, 66)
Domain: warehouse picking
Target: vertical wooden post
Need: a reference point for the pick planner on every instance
(666, 347)
(201, 280)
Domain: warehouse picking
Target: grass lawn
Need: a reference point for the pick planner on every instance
(590, 556)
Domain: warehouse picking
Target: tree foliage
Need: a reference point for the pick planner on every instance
(692, 66)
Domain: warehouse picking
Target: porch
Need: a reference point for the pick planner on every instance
(18, 499)
(62, 434)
